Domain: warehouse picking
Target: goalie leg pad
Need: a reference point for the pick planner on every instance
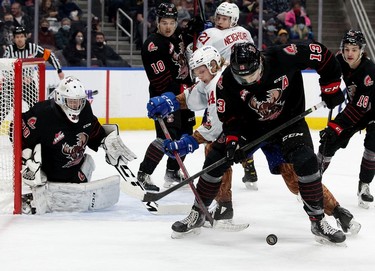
(73, 197)
(31, 163)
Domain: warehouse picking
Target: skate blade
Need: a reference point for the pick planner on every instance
(323, 241)
(251, 186)
(363, 204)
(229, 226)
(354, 227)
(180, 235)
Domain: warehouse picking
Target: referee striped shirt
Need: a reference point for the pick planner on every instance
(31, 50)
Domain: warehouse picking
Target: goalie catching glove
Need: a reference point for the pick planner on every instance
(187, 144)
(31, 163)
(161, 106)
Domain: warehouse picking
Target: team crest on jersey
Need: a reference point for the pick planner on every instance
(284, 81)
(58, 137)
(368, 81)
(243, 94)
(152, 47)
(291, 49)
(271, 107)
(76, 152)
(219, 83)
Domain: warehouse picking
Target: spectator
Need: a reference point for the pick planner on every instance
(277, 8)
(63, 34)
(22, 19)
(95, 28)
(75, 52)
(282, 37)
(297, 22)
(48, 10)
(270, 36)
(7, 31)
(5, 6)
(210, 9)
(77, 23)
(182, 12)
(45, 35)
(68, 9)
(106, 54)
(28, 7)
(151, 22)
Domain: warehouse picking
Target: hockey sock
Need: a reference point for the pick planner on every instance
(152, 157)
(207, 191)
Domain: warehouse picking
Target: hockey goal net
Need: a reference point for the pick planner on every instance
(22, 84)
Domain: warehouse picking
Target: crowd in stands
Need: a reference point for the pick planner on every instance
(62, 30)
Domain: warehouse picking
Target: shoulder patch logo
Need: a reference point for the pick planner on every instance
(58, 137)
(291, 49)
(151, 47)
(368, 81)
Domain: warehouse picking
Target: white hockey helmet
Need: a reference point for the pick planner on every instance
(229, 9)
(204, 56)
(70, 95)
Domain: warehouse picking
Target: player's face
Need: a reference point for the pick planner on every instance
(352, 53)
(75, 104)
(20, 40)
(251, 78)
(167, 26)
(203, 74)
(222, 22)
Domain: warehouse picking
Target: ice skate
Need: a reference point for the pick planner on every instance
(172, 177)
(325, 233)
(345, 221)
(146, 182)
(191, 224)
(250, 178)
(27, 207)
(364, 195)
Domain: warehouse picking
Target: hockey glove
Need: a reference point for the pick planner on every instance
(195, 26)
(233, 151)
(330, 134)
(187, 144)
(162, 105)
(332, 94)
(31, 163)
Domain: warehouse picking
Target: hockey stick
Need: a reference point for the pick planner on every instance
(133, 188)
(149, 196)
(186, 174)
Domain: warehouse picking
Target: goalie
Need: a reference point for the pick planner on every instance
(56, 171)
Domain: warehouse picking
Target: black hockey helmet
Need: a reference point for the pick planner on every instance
(19, 30)
(353, 37)
(245, 59)
(166, 10)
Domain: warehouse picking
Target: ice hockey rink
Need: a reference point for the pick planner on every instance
(128, 237)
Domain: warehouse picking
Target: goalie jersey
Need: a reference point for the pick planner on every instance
(63, 142)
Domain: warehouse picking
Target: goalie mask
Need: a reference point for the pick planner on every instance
(71, 97)
(230, 10)
(246, 63)
(204, 56)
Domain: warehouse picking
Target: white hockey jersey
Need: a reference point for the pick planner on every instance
(202, 96)
(223, 40)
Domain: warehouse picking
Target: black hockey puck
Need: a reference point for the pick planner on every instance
(271, 239)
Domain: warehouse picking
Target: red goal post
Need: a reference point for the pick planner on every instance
(22, 84)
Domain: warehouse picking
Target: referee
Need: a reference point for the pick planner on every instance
(21, 49)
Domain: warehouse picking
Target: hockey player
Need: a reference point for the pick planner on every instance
(55, 134)
(23, 49)
(163, 56)
(258, 93)
(205, 64)
(359, 75)
(222, 37)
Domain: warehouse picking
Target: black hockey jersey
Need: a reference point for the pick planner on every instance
(165, 64)
(63, 142)
(279, 95)
(360, 88)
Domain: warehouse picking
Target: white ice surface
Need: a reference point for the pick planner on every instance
(127, 237)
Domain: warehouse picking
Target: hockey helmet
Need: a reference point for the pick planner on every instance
(70, 95)
(230, 10)
(353, 37)
(204, 56)
(19, 30)
(245, 60)
(166, 10)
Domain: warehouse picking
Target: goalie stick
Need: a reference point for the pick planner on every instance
(149, 196)
(133, 188)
